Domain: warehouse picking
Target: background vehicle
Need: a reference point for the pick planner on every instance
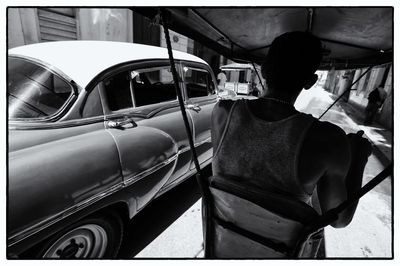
(241, 79)
(95, 133)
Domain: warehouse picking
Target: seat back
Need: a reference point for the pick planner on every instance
(252, 223)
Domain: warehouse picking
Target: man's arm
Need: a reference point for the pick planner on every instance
(343, 177)
(360, 151)
(331, 187)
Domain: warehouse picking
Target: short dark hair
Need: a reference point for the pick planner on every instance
(292, 59)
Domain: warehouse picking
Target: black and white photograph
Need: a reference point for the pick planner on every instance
(206, 132)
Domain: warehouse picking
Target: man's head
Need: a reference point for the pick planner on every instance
(291, 62)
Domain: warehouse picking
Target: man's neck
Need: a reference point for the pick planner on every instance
(282, 95)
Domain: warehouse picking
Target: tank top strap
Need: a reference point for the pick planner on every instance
(226, 127)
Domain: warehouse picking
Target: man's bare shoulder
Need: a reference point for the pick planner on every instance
(325, 151)
(323, 129)
(221, 110)
(328, 139)
(224, 104)
(219, 119)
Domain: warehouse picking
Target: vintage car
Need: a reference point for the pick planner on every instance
(240, 78)
(96, 133)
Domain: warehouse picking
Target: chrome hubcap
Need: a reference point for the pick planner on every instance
(86, 241)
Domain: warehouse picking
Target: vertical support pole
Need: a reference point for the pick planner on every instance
(310, 17)
(259, 78)
(202, 183)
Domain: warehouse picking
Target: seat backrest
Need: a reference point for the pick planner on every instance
(253, 223)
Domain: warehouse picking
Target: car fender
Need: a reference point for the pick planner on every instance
(55, 177)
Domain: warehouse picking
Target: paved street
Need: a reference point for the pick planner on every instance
(369, 234)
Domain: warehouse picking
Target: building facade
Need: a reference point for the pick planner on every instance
(34, 25)
(338, 81)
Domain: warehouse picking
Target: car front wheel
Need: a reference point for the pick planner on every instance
(98, 236)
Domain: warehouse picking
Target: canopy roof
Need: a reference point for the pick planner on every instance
(352, 37)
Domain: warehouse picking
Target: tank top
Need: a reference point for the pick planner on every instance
(264, 154)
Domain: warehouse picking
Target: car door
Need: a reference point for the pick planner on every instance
(143, 118)
(200, 91)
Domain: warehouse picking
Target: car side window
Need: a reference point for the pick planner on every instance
(140, 87)
(198, 82)
(154, 85)
(33, 91)
(118, 91)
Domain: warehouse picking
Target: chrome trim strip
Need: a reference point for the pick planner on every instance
(182, 179)
(187, 148)
(56, 125)
(147, 172)
(202, 142)
(194, 68)
(27, 232)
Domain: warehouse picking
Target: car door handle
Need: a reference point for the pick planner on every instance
(194, 107)
(120, 124)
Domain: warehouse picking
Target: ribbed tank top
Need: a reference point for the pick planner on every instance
(261, 153)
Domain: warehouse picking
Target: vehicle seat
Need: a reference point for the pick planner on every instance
(252, 223)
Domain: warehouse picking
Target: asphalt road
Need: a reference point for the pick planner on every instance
(159, 215)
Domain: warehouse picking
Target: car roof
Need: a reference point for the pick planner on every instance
(83, 60)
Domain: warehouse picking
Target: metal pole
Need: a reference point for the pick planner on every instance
(332, 215)
(258, 75)
(366, 188)
(179, 93)
(348, 89)
(310, 17)
(202, 183)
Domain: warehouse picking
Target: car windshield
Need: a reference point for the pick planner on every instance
(33, 91)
